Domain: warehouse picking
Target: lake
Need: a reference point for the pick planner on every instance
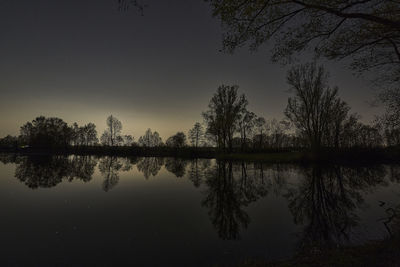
(107, 211)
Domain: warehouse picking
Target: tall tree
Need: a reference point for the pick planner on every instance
(196, 135)
(260, 128)
(312, 106)
(339, 115)
(112, 134)
(90, 134)
(368, 31)
(223, 114)
(246, 126)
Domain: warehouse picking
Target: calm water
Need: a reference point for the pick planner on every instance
(88, 211)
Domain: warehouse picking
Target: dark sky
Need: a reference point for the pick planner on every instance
(82, 60)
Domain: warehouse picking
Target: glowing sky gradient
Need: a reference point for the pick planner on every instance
(83, 60)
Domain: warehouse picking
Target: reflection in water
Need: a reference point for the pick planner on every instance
(110, 167)
(48, 171)
(392, 219)
(225, 203)
(197, 169)
(150, 166)
(177, 166)
(227, 194)
(326, 201)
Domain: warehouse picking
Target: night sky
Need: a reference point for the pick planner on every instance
(83, 60)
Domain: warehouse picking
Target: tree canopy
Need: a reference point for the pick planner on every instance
(368, 31)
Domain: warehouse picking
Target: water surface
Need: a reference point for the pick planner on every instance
(89, 211)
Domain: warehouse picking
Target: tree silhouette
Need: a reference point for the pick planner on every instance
(196, 135)
(367, 31)
(224, 202)
(312, 109)
(176, 141)
(112, 134)
(259, 138)
(246, 126)
(230, 188)
(46, 132)
(85, 135)
(197, 170)
(223, 115)
(326, 202)
(150, 139)
(109, 168)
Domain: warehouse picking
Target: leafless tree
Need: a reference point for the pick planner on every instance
(312, 107)
(112, 134)
(246, 126)
(223, 115)
(196, 135)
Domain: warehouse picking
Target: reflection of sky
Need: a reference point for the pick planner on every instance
(158, 221)
(83, 60)
(162, 215)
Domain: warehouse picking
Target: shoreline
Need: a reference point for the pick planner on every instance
(377, 155)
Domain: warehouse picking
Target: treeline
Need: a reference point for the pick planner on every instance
(315, 118)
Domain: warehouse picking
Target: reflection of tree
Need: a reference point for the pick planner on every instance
(251, 188)
(394, 173)
(176, 165)
(48, 171)
(109, 168)
(82, 167)
(224, 202)
(7, 158)
(197, 169)
(326, 201)
(150, 166)
(392, 220)
(230, 188)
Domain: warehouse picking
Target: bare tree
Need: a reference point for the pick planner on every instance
(259, 124)
(196, 134)
(339, 114)
(246, 126)
(150, 139)
(223, 115)
(90, 134)
(312, 106)
(277, 137)
(112, 134)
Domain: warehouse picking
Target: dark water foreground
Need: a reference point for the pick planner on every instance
(107, 211)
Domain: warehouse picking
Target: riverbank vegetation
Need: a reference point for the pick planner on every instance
(318, 124)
